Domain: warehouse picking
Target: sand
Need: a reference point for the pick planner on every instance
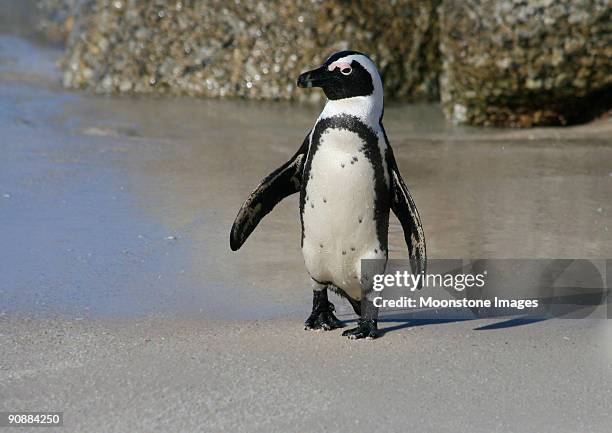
(122, 305)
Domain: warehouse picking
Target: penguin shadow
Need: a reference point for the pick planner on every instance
(571, 303)
(408, 322)
(401, 321)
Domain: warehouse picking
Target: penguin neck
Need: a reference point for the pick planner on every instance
(367, 108)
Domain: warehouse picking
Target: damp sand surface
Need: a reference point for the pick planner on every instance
(122, 305)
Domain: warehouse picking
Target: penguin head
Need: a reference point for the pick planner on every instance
(345, 74)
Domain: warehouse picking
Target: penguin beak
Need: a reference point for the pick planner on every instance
(315, 78)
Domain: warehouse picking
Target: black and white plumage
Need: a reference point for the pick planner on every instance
(348, 182)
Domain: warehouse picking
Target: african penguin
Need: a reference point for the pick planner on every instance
(348, 182)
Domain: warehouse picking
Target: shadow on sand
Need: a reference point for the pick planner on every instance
(411, 322)
(403, 321)
(593, 303)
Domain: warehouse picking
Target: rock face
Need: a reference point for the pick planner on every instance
(55, 18)
(523, 63)
(247, 48)
(497, 62)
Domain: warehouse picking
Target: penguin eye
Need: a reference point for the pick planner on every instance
(346, 70)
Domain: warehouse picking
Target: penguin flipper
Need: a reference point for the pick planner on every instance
(282, 182)
(404, 208)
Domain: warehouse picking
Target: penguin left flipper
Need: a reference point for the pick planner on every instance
(404, 208)
(282, 182)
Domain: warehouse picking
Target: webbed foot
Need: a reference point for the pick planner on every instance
(365, 329)
(325, 320)
(322, 316)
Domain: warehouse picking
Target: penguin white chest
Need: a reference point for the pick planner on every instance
(338, 216)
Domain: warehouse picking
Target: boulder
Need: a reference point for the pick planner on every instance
(525, 62)
(55, 18)
(247, 48)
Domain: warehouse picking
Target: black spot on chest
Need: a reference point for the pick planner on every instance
(370, 151)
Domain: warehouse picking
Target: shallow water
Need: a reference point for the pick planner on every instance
(122, 206)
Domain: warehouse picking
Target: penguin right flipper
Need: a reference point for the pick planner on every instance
(404, 208)
(282, 182)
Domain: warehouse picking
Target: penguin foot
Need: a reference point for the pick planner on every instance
(323, 319)
(365, 329)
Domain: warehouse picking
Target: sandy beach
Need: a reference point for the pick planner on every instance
(123, 306)
(271, 376)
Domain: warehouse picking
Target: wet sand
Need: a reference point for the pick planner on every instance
(123, 306)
